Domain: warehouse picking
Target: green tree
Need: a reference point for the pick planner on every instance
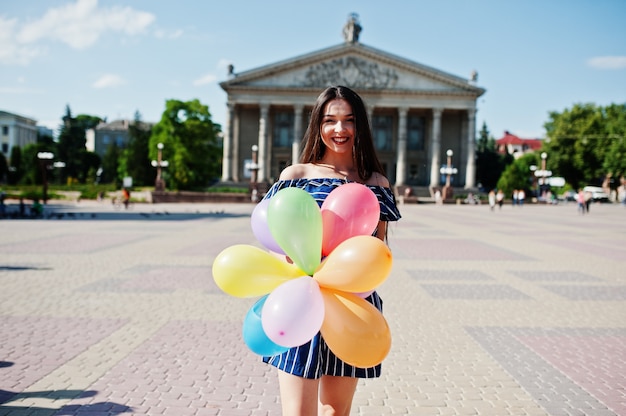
(90, 162)
(16, 170)
(134, 160)
(110, 165)
(580, 141)
(79, 163)
(4, 169)
(86, 122)
(615, 158)
(489, 163)
(190, 144)
(71, 145)
(518, 174)
(32, 166)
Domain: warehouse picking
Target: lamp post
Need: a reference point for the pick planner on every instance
(159, 183)
(44, 162)
(448, 170)
(254, 168)
(543, 173)
(533, 181)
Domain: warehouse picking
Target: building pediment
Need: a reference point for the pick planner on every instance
(354, 65)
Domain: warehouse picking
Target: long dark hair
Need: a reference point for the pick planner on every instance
(363, 154)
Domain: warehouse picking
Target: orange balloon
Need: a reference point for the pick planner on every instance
(359, 264)
(247, 271)
(355, 331)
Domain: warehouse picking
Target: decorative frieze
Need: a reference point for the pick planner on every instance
(350, 71)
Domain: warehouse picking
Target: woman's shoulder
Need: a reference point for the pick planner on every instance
(295, 171)
(378, 179)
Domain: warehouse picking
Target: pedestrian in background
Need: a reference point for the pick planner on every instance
(500, 198)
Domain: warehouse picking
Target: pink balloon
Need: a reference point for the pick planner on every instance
(293, 312)
(348, 211)
(261, 229)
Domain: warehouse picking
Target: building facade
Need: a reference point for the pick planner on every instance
(106, 134)
(16, 130)
(516, 146)
(417, 113)
(117, 132)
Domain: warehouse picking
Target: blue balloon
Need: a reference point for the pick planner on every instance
(253, 334)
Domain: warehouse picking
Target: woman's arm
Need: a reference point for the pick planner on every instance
(381, 230)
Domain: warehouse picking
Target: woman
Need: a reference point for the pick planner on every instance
(338, 148)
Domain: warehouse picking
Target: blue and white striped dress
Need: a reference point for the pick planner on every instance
(314, 359)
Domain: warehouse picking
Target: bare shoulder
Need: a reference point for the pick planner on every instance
(297, 171)
(378, 179)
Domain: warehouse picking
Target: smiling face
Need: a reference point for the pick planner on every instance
(338, 127)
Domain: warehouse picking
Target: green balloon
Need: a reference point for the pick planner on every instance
(295, 221)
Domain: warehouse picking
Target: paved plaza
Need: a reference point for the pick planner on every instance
(519, 311)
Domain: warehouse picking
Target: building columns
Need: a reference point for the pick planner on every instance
(435, 148)
(470, 170)
(264, 113)
(227, 141)
(297, 134)
(401, 151)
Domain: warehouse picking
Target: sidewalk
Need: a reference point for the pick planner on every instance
(520, 311)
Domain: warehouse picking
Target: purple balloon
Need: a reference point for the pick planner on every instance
(293, 313)
(260, 228)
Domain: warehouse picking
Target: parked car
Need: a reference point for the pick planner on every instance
(597, 193)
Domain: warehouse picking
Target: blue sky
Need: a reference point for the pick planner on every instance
(110, 58)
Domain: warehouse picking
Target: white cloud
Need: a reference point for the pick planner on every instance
(11, 52)
(607, 62)
(108, 81)
(205, 79)
(79, 24)
(162, 34)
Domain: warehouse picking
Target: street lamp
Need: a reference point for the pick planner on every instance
(254, 168)
(44, 162)
(159, 183)
(543, 173)
(448, 170)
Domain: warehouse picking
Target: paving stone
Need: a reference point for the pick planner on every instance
(514, 312)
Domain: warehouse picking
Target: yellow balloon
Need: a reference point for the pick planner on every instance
(355, 331)
(359, 264)
(247, 271)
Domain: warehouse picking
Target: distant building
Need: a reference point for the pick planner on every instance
(417, 112)
(105, 134)
(45, 131)
(516, 146)
(16, 130)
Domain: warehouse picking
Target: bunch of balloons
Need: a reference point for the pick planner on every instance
(336, 263)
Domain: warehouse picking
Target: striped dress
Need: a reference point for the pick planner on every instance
(314, 359)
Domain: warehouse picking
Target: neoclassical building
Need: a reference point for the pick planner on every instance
(417, 113)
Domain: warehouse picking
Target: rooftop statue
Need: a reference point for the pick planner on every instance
(352, 29)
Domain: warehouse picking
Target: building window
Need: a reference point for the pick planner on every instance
(415, 133)
(106, 139)
(5, 148)
(119, 142)
(283, 129)
(413, 173)
(5, 130)
(382, 129)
